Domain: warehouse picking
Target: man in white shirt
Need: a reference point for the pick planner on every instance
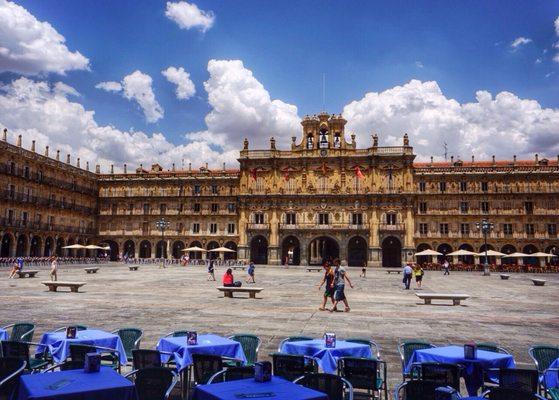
(408, 271)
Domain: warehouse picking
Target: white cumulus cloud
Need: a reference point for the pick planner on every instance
(188, 15)
(181, 78)
(31, 47)
(519, 42)
(137, 87)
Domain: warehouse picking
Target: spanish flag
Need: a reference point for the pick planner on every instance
(253, 173)
(286, 175)
(358, 173)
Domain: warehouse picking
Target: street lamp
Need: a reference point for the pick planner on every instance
(162, 224)
(486, 227)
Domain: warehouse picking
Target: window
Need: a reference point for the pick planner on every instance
(146, 208)
(181, 208)
(50, 220)
(215, 207)
(113, 209)
(357, 219)
(163, 208)
(196, 207)
(196, 227)
(213, 228)
(130, 208)
(12, 192)
(231, 207)
(529, 207)
(40, 176)
(38, 218)
(442, 186)
(291, 219)
(197, 189)
(391, 219)
(214, 189)
(484, 186)
(230, 228)
(443, 229)
(463, 186)
(259, 218)
(530, 229)
(465, 229)
(507, 229)
(423, 229)
(423, 207)
(13, 168)
(484, 206)
(464, 207)
(24, 217)
(552, 229)
(323, 219)
(10, 216)
(421, 186)
(26, 172)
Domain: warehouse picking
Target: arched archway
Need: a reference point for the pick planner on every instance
(290, 251)
(21, 246)
(530, 249)
(35, 247)
(232, 246)
(423, 259)
(145, 249)
(356, 251)
(259, 250)
(59, 251)
(490, 259)
(113, 252)
(129, 249)
(49, 243)
(195, 255)
(444, 248)
(178, 246)
(323, 248)
(212, 255)
(466, 259)
(161, 249)
(391, 252)
(7, 241)
(509, 249)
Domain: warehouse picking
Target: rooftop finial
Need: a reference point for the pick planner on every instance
(78, 163)
(245, 144)
(125, 171)
(87, 165)
(46, 151)
(223, 167)
(68, 158)
(33, 146)
(18, 141)
(173, 169)
(112, 169)
(473, 158)
(272, 143)
(57, 155)
(406, 140)
(536, 158)
(375, 140)
(97, 169)
(5, 134)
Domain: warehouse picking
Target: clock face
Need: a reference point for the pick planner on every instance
(323, 152)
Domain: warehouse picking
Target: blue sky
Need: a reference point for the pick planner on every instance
(361, 46)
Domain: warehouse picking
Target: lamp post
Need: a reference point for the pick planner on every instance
(162, 224)
(485, 226)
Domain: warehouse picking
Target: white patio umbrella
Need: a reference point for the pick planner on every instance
(106, 248)
(222, 250)
(491, 253)
(74, 246)
(194, 248)
(516, 255)
(463, 252)
(428, 252)
(94, 247)
(542, 255)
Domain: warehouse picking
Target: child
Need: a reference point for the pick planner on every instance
(54, 269)
(364, 270)
(250, 271)
(211, 276)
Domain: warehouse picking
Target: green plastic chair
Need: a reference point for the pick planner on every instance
(406, 349)
(250, 344)
(543, 355)
(130, 338)
(553, 393)
(20, 350)
(375, 348)
(293, 339)
(21, 331)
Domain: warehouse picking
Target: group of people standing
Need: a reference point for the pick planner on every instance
(18, 267)
(335, 277)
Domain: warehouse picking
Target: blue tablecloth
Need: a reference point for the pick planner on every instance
(207, 344)
(276, 389)
(76, 385)
(551, 377)
(3, 334)
(327, 358)
(59, 345)
(473, 369)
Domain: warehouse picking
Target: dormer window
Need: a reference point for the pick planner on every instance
(310, 143)
(337, 141)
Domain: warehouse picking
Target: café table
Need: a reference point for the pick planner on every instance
(473, 368)
(327, 357)
(276, 389)
(551, 376)
(76, 385)
(59, 345)
(3, 334)
(207, 344)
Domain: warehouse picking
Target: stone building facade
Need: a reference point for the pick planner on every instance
(324, 197)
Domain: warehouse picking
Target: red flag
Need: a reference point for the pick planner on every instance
(253, 173)
(286, 175)
(358, 173)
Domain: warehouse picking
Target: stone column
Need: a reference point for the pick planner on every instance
(243, 252)
(375, 259)
(273, 247)
(136, 250)
(303, 252)
(168, 243)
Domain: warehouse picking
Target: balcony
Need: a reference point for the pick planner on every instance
(392, 227)
(38, 226)
(317, 226)
(258, 227)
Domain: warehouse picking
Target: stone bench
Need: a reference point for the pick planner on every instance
(393, 271)
(456, 298)
(539, 282)
(133, 267)
(91, 270)
(228, 291)
(504, 276)
(238, 267)
(54, 285)
(317, 269)
(30, 273)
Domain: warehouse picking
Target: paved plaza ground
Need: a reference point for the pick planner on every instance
(513, 313)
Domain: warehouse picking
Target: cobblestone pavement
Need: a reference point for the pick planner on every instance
(513, 313)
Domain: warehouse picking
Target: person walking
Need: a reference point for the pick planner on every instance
(18, 267)
(54, 269)
(446, 267)
(211, 275)
(250, 272)
(364, 270)
(340, 276)
(408, 271)
(418, 272)
(328, 279)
